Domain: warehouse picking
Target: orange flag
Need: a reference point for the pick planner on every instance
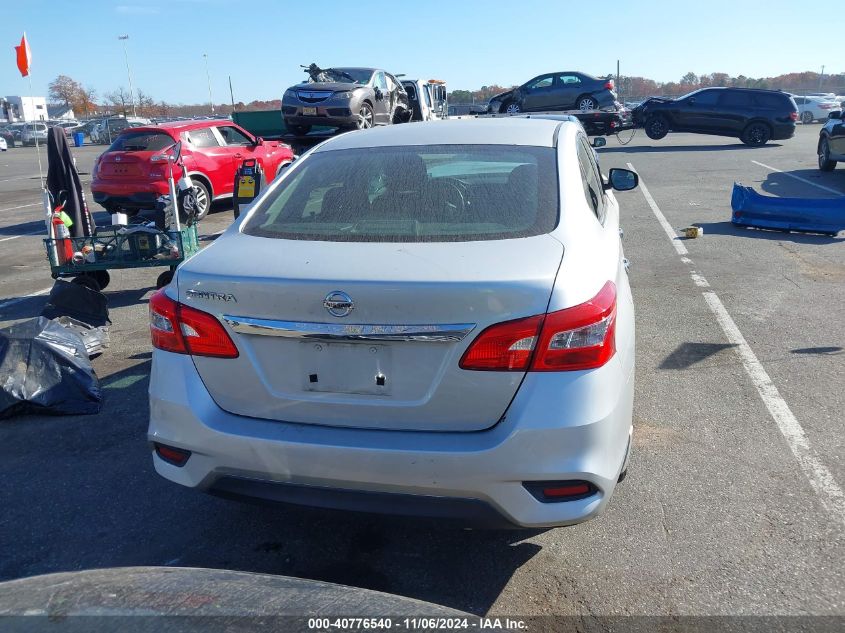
(24, 56)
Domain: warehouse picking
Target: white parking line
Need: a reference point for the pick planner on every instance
(10, 302)
(670, 232)
(22, 206)
(821, 479)
(14, 237)
(804, 180)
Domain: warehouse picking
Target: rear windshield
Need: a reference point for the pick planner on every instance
(141, 142)
(426, 193)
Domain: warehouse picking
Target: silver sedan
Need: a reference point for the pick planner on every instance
(428, 319)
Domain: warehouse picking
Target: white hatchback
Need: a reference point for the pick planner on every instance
(431, 318)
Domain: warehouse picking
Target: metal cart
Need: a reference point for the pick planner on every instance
(88, 259)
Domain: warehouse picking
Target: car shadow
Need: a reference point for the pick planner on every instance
(727, 228)
(688, 354)
(95, 500)
(647, 149)
(788, 184)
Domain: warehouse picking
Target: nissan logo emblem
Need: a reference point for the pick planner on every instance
(338, 304)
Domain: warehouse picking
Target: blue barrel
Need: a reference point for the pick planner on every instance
(78, 139)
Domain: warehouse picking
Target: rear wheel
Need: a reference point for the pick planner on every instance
(203, 199)
(807, 117)
(756, 134)
(586, 103)
(825, 164)
(656, 128)
(89, 281)
(164, 279)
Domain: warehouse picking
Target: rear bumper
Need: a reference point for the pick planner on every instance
(783, 131)
(347, 119)
(550, 433)
(141, 195)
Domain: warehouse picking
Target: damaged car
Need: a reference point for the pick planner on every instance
(345, 98)
(566, 90)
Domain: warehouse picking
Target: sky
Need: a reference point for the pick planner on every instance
(468, 43)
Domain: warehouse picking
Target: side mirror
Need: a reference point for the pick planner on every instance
(622, 179)
(837, 114)
(691, 101)
(379, 94)
(599, 141)
(259, 141)
(177, 151)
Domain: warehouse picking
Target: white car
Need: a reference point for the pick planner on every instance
(33, 133)
(815, 108)
(3, 145)
(428, 319)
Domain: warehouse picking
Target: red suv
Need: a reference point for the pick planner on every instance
(132, 173)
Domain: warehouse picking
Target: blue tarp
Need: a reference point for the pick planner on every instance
(812, 215)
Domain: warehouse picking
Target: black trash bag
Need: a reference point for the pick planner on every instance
(44, 369)
(79, 302)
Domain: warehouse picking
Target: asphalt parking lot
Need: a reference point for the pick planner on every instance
(733, 504)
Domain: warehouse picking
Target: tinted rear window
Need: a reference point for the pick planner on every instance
(735, 98)
(141, 142)
(766, 100)
(431, 193)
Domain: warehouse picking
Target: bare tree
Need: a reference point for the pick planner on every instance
(120, 99)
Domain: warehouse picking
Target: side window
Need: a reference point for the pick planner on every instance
(232, 135)
(381, 82)
(541, 82)
(735, 98)
(706, 97)
(203, 137)
(590, 175)
(426, 90)
(569, 79)
(800, 100)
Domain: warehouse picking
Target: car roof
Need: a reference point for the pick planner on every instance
(472, 131)
(183, 126)
(372, 70)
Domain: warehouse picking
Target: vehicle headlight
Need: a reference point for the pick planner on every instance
(343, 95)
(289, 94)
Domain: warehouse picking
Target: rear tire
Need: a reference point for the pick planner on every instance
(656, 127)
(164, 279)
(87, 280)
(807, 117)
(203, 199)
(756, 134)
(586, 103)
(825, 163)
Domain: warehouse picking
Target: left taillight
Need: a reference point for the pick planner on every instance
(178, 328)
(793, 116)
(609, 84)
(580, 337)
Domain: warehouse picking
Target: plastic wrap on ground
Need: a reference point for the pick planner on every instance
(44, 369)
(812, 215)
(77, 301)
(96, 339)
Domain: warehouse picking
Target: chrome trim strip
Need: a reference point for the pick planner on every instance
(449, 333)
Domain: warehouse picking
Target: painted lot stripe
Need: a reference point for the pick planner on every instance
(10, 302)
(804, 180)
(22, 206)
(14, 237)
(821, 479)
(670, 232)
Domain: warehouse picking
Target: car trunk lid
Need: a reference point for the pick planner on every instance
(392, 362)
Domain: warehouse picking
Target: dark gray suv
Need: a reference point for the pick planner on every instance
(354, 98)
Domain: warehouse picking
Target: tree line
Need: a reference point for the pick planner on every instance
(85, 102)
(630, 87)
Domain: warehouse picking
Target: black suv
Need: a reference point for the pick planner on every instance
(751, 115)
(565, 90)
(831, 148)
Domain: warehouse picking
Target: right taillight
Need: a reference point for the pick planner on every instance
(178, 328)
(793, 116)
(580, 337)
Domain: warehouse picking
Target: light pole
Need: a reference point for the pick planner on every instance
(821, 79)
(129, 73)
(208, 77)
